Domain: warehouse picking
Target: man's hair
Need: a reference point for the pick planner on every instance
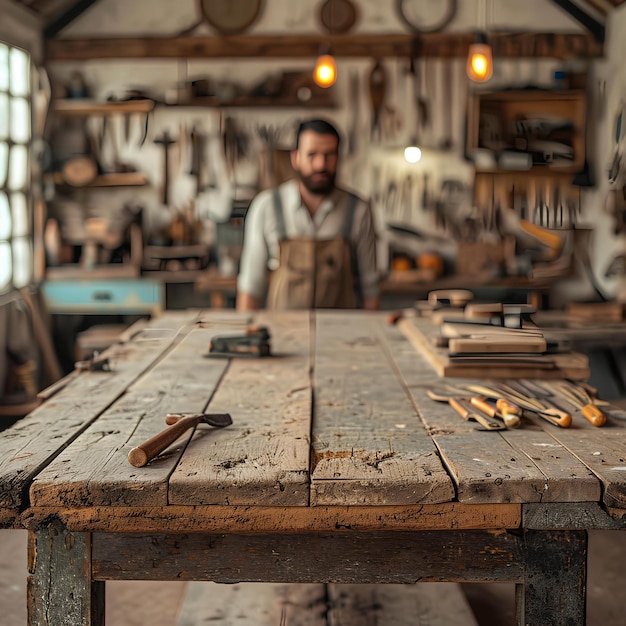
(319, 126)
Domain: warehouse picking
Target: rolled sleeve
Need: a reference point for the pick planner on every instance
(252, 278)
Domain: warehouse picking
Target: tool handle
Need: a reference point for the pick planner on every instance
(458, 407)
(593, 415)
(145, 452)
(556, 416)
(511, 420)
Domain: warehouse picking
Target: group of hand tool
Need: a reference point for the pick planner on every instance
(502, 404)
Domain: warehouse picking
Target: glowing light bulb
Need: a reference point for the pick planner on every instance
(480, 62)
(412, 154)
(325, 72)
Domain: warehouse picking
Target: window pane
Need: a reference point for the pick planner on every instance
(4, 163)
(20, 120)
(5, 217)
(19, 73)
(19, 209)
(18, 167)
(4, 67)
(22, 265)
(4, 116)
(6, 265)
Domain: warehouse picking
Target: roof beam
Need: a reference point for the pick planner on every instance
(53, 28)
(592, 25)
(445, 45)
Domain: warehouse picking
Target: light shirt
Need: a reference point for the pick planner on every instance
(260, 247)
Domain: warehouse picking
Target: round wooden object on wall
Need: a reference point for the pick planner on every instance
(338, 16)
(231, 17)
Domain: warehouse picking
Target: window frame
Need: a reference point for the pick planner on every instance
(6, 188)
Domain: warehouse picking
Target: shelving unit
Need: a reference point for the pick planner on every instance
(503, 110)
(79, 106)
(114, 179)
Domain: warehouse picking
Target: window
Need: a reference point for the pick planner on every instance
(16, 263)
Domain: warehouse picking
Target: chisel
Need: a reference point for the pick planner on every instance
(509, 413)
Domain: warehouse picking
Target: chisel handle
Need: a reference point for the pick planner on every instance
(594, 415)
(510, 420)
(145, 452)
(556, 416)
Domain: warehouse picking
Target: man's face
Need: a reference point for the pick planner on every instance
(315, 161)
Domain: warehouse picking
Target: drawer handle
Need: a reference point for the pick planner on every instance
(102, 295)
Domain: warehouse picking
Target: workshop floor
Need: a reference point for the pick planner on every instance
(155, 603)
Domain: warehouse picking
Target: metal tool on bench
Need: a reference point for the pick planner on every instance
(255, 342)
(578, 397)
(180, 423)
(464, 409)
(543, 408)
(97, 363)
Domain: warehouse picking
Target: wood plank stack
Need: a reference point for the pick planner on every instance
(490, 340)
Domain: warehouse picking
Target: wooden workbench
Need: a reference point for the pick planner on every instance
(337, 468)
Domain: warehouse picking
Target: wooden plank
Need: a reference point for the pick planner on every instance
(254, 604)
(422, 334)
(251, 519)
(432, 604)
(448, 45)
(566, 478)
(603, 451)
(94, 469)
(348, 557)
(265, 604)
(369, 444)
(59, 587)
(263, 458)
(488, 473)
(33, 442)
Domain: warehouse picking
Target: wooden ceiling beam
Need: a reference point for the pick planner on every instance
(70, 14)
(445, 45)
(598, 6)
(590, 23)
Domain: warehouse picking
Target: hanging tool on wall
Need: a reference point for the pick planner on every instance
(377, 92)
(354, 95)
(198, 142)
(166, 141)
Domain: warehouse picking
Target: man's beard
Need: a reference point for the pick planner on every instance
(318, 183)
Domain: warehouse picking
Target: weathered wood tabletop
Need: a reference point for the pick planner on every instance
(337, 467)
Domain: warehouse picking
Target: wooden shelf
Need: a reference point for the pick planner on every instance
(119, 179)
(251, 102)
(79, 106)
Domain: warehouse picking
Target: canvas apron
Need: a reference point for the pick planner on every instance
(312, 273)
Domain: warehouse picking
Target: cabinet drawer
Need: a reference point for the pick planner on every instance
(124, 296)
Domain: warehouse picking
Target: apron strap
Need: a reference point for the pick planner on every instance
(347, 224)
(280, 217)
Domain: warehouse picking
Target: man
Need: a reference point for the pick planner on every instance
(309, 244)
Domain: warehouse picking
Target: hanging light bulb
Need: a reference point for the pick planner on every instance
(325, 72)
(480, 60)
(413, 154)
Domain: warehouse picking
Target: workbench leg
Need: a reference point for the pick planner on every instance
(554, 590)
(60, 589)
